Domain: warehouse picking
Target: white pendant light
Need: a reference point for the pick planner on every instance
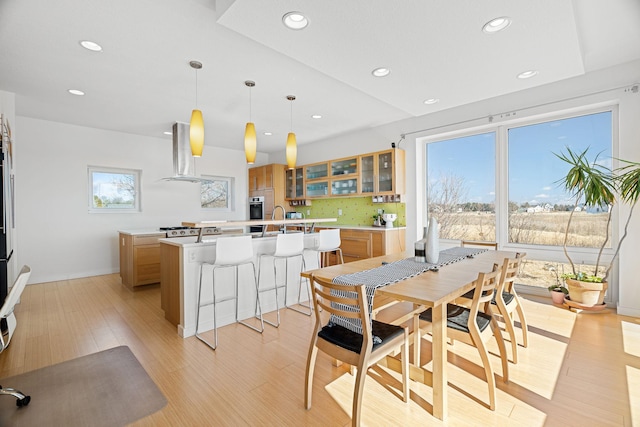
(291, 149)
(196, 125)
(250, 142)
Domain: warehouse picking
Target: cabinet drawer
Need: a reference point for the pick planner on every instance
(149, 273)
(147, 254)
(355, 248)
(145, 240)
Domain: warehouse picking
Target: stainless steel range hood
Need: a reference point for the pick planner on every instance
(183, 162)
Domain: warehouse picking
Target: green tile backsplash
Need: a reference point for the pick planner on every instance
(355, 210)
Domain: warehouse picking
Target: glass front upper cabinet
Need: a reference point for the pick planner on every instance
(344, 167)
(317, 188)
(385, 172)
(344, 186)
(295, 183)
(317, 171)
(367, 174)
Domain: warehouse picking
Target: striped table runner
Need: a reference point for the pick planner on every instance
(392, 273)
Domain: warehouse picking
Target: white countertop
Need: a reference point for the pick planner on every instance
(256, 222)
(144, 232)
(366, 227)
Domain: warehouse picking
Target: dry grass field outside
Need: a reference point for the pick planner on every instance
(540, 228)
(543, 228)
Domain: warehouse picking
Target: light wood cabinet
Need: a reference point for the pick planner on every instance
(294, 184)
(383, 172)
(372, 174)
(269, 182)
(170, 282)
(357, 244)
(139, 259)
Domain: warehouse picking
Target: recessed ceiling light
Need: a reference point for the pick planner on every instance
(75, 92)
(268, 133)
(527, 74)
(381, 72)
(168, 132)
(87, 44)
(316, 116)
(497, 24)
(431, 101)
(295, 20)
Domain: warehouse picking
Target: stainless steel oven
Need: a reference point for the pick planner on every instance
(256, 211)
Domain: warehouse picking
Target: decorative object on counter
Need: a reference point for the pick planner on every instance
(432, 249)
(291, 149)
(420, 247)
(250, 142)
(377, 221)
(388, 219)
(196, 126)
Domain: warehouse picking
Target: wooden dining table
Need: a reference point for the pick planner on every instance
(429, 289)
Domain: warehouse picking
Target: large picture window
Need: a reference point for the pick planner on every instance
(114, 190)
(538, 206)
(529, 209)
(461, 186)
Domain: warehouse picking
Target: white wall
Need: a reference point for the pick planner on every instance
(603, 86)
(57, 236)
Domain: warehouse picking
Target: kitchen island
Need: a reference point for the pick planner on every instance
(181, 258)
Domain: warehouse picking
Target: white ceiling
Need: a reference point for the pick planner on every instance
(141, 83)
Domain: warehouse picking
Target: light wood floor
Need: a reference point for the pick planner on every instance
(579, 369)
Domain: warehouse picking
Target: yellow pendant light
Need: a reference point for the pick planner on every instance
(196, 125)
(250, 142)
(291, 149)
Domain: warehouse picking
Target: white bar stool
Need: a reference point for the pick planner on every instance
(230, 252)
(329, 241)
(288, 246)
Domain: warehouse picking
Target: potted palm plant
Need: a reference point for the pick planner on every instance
(595, 185)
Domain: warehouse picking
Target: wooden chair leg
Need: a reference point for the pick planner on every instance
(508, 324)
(404, 358)
(308, 380)
(417, 337)
(491, 381)
(523, 325)
(502, 349)
(357, 397)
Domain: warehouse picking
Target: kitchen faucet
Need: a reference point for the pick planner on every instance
(284, 214)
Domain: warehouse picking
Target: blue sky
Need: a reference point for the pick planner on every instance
(533, 169)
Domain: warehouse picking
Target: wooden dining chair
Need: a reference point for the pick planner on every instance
(362, 351)
(474, 325)
(507, 301)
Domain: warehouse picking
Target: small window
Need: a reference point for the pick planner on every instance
(114, 190)
(216, 192)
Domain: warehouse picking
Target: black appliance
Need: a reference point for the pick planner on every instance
(6, 207)
(256, 211)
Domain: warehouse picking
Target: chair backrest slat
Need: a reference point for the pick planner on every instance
(510, 270)
(348, 301)
(485, 286)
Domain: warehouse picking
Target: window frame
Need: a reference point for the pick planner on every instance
(538, 252)
(137, 196)
(230, 206)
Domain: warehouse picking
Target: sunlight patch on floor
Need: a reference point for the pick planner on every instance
(633, 384)
(631, 338)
